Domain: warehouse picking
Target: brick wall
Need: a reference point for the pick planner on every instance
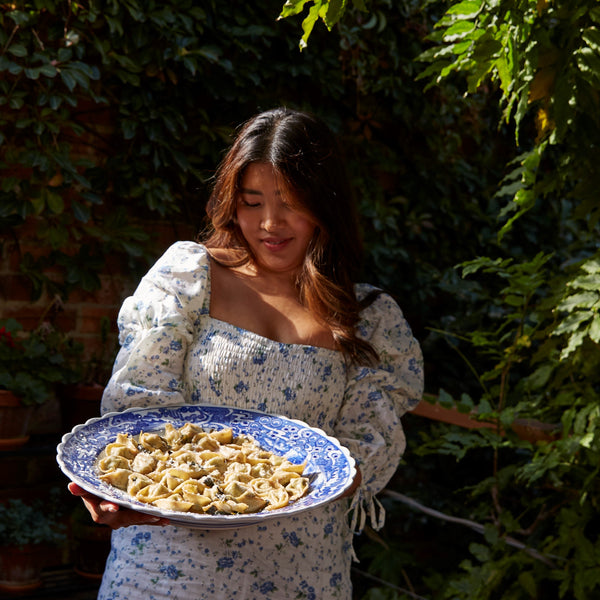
(79, 316)
(82, 315)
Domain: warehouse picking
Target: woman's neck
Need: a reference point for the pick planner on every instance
(265, 303)
(264, 281)
(269, 283)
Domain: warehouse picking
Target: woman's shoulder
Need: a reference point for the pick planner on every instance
(183, 270)
(185, 248)
(181, 256)
(380, 313)
(362, 290)
(227, 257)
(196, 251)
(383, 324)
(374, 299)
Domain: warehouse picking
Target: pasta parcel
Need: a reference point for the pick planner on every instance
(188, 469)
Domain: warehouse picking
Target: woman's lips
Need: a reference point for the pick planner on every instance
(275, 244)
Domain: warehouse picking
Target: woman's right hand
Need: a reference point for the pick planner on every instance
(111, 514)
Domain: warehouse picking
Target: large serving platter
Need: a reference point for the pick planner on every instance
(329, 465)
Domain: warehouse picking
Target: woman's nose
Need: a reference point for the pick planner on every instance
(272, 218)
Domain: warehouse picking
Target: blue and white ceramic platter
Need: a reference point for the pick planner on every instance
(328, 464)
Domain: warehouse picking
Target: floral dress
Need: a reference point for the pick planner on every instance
(174, 352)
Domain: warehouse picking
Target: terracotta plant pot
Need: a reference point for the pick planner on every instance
(14, 421)
(21, 567)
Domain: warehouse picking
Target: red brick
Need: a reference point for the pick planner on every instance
(18, 171)
(90, 318)
(169, 233)
(15, 288)
(66, 321)
(28, 315)
(112, 292)
(94, 347)
(29, 228)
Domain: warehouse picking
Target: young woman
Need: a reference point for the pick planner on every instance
(265, 315)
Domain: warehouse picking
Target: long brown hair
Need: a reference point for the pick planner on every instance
(305, 154)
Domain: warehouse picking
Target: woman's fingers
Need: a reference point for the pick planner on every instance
(76, 490)
(111, 514)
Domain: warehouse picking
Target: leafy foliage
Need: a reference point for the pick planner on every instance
(24, 523)
(32, 365)
(104, 130)
(525, 320)
(580, 305)
(158, 105)
(329, 11)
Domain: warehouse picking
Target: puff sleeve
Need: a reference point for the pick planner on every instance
(374, 401)
(156, 325)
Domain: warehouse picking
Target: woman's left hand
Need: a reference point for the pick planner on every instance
(111, 514)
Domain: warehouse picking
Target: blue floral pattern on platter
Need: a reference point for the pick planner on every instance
(328, 464)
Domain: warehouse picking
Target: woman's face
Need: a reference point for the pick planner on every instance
(277, 234)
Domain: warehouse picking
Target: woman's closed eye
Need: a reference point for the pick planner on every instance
(250, 198)
(250, 203)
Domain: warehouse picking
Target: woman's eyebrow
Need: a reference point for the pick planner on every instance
(254, 192)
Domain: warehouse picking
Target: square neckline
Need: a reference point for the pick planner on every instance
(249, 332)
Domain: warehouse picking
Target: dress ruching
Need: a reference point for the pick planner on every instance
(174, 352)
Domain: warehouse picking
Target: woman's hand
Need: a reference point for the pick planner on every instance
(355, 483)
(111, 514)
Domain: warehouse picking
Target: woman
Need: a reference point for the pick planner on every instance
(265, 315)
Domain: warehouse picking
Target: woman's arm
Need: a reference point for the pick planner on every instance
(156, 325)
(369, 422)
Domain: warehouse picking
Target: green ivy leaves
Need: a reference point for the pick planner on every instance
(329, 11)
(580, 306)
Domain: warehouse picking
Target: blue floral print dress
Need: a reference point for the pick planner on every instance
(174, 352)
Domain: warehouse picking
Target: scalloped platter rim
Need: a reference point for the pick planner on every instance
(329, 465)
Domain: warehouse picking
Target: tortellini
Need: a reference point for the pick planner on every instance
(188, 469)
